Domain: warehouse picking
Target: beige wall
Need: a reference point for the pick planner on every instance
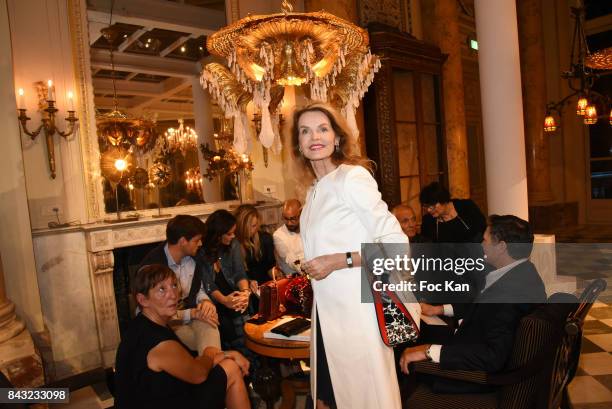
(42, 50)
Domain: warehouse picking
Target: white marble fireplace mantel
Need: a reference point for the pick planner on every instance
(75, 274)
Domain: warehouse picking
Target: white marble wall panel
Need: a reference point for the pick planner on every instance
(67, 301)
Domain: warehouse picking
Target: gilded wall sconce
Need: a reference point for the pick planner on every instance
(47, 122)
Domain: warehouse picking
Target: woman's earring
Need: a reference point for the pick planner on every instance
(300, 149)
(337, 146)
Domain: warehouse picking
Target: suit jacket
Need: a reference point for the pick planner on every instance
(158, 256)
(485, 338)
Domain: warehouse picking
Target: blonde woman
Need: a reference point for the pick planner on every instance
(351, 366)
(257, 246)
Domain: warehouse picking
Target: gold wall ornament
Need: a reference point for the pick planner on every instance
(310, 50)
(48, 126)
(160, 174)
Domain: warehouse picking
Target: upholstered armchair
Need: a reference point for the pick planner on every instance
(543, 362)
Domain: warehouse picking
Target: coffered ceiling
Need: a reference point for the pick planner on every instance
(157, 51)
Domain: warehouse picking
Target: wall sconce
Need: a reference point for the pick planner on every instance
(48, 122)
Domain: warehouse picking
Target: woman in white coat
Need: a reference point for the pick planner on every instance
(350, 365)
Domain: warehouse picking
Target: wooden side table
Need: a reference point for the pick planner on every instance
(278, 348)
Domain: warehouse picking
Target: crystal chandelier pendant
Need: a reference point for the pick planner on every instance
(182, 138)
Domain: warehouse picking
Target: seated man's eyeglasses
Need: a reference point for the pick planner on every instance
(291, 219)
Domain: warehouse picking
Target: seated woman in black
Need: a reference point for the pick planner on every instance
(224, 278)
(154, 369)
(450, 220)
(257, 246)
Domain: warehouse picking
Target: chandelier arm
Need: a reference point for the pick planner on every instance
(70, 129)
(558, 107)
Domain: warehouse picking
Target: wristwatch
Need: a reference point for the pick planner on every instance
(349, 259)
(428, 353)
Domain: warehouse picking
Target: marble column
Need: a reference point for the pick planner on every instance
(10, 325)
(442, 29)
(19, 359)
(202, 112)
(502, 107)
(531, 43)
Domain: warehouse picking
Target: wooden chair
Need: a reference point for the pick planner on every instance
(543, 362)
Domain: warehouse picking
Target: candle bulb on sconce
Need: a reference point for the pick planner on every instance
(51, 91)
(70, 101)
(21, 100)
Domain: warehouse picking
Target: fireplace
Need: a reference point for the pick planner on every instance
(83, 276)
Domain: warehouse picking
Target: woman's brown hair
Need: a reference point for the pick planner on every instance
(345, 154)
(148, 276)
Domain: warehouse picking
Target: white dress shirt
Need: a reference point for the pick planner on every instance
(184, 271)
(288, 249)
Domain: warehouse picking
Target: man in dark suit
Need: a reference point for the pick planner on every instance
(485, 336)
(196, 321)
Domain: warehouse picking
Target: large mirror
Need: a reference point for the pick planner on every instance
(152, 115)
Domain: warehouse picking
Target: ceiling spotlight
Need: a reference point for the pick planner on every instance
(183, 49)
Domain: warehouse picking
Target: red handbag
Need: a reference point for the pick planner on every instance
(290, 294)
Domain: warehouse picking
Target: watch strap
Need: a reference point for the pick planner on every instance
(349, 259)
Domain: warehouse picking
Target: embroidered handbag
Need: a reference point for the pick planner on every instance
(395, 322)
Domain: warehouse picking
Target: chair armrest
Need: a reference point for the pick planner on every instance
(432, 368)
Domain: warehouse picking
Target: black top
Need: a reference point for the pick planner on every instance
(258, 269)
(136, 385)
(467, 227)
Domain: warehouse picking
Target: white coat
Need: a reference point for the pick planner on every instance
(343, 210)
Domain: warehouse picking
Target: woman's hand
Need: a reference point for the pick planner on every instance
(320, 267)
(253, 286)
(240, 360)
(236, 300)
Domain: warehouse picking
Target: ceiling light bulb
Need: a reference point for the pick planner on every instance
(121, 165)
(549, 124)
(590, 116)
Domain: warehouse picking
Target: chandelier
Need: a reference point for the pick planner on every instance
(325, 56)
(580, 77)
(183, 138)
(117, 128)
